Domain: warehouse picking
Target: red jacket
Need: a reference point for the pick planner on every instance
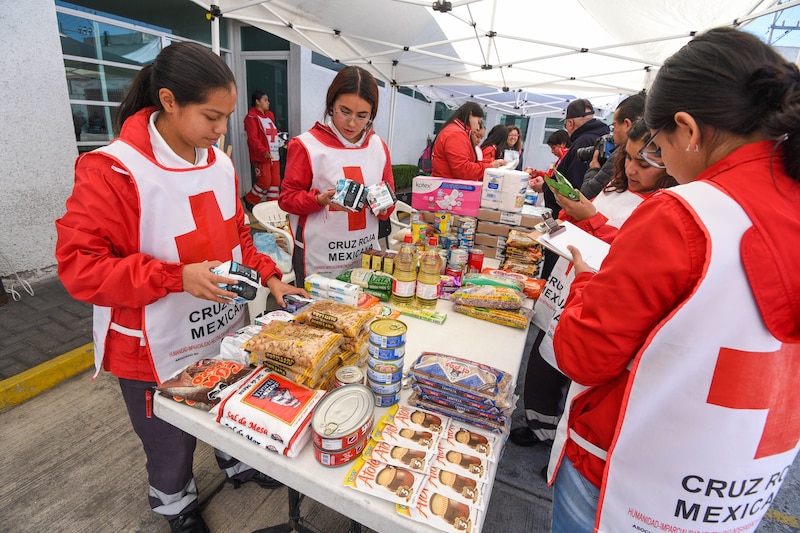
(98, 251)
(257, 142)
(454, 154)
(656, 261)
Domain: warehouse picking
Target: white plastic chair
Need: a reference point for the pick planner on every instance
(397, 224)
(273, 219)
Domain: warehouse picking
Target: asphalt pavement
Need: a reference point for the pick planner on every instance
(71, 462)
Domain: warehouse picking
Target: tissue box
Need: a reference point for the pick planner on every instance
(458, 197)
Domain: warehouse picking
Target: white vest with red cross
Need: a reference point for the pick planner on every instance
(187, 216)
(334, 240)
(271, 133)
(709, 423)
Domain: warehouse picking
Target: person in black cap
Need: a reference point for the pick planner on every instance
(584, 130)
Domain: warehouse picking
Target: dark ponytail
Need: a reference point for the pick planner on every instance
(189, 70)
(730, 80)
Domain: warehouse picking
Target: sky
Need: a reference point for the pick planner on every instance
(789, 17)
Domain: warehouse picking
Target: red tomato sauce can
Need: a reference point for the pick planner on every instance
(475, 260)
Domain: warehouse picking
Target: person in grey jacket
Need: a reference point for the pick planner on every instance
(597, 177)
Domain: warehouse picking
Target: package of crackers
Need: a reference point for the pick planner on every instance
(405, 416)
(416, 460)
(441, 512)
(388, 482)
(457, 487)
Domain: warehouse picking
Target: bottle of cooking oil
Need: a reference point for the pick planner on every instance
(405, 274)
(430, 272)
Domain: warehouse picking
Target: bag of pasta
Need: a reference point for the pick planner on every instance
(293, 345)
(341, 318)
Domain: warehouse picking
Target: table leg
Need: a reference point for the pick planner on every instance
(294, 517)
(355, 527)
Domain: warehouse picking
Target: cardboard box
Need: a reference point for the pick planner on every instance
(495, 241)
(511, 219)
(491, 253)
(492, 228)
(458, 197)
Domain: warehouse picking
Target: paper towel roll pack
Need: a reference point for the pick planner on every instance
(504, 189)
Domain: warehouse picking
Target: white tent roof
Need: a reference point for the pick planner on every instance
(567, 47)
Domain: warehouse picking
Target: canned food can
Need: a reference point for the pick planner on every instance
(384, 377)
(476, 260)
(385, 389)
(386, 400)
(342, 417)
(387, 333)
(382, 365)
(340, 457)
(387, 354)
(349, 375)
(443, 254)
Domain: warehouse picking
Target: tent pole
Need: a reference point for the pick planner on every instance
(215, 35)
(392, 105)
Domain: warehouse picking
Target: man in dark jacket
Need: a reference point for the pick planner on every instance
(597, 177)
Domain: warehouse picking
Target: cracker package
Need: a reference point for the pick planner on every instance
(464, 464)
(441, 512)
(410, 438)
(457, 487)
(469, 439)
(517, 318)
(200, 384)
(293, 345)
(416, 460)
(452, 412)
(461, 376)
(346, 319)
(388, 482)
(404, 416)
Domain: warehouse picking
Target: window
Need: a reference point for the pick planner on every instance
(551, 125)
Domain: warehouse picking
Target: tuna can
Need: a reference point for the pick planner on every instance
(342, 418)
(387, 333)
(340, 457)
(384, 377)
(387, 354)
(349, 375)
(382, 365)
(383, 389)
(386, 400)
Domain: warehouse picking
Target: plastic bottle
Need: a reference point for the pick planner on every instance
(405, 274)
(430, 267)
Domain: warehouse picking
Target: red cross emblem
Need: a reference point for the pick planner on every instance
(213, 238)
(270, 130)
(762, 380)
(355, 220)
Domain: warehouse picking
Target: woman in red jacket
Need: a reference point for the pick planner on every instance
(149, 216)
(264, 145)
(683, 348)
(453, 152)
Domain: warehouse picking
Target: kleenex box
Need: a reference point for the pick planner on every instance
(459, 197)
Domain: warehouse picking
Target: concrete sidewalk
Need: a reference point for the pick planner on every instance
(73, 464)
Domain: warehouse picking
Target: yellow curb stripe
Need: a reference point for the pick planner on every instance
(32, 382)
(782, 518)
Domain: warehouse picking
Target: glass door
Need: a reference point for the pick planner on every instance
(271, 77)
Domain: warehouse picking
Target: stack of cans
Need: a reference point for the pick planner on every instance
(387, 346)
(465, 232)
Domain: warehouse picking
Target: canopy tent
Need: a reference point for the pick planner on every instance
(572, 46)
(515, 49)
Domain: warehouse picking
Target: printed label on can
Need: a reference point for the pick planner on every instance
(387, 333)
(382, 365)
(386, 400)
(383, 377)
(387, 354)
(339, 458)
(385, 389)
(342, 443)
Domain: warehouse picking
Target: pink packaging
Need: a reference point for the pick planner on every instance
(459, 197)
